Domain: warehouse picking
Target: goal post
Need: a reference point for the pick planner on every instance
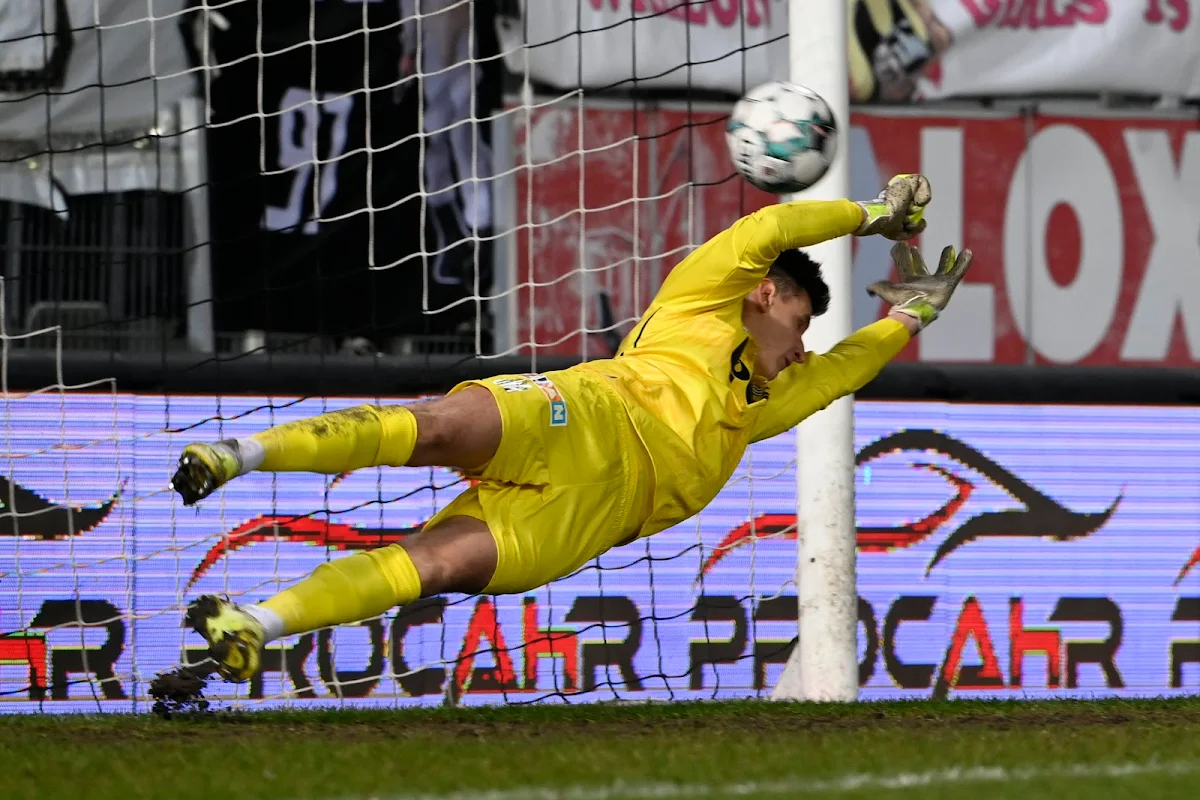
(823, 665)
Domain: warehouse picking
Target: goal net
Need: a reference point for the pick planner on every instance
(313, 194)
(222, 215)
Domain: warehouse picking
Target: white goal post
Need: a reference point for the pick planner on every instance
(824, 664)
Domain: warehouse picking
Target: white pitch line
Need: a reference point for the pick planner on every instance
(791, 786)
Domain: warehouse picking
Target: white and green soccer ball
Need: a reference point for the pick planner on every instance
(782, 137)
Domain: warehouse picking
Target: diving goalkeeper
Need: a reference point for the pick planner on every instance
(572, 463)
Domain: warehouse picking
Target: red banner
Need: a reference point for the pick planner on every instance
(1086, 233)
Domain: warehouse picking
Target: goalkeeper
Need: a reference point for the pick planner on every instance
(572, 463)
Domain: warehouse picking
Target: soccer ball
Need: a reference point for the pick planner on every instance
(782, 137)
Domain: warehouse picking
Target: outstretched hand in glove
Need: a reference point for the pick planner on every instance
(898, 210)
(920, 294)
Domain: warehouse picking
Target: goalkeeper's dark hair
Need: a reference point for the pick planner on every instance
(793, 271)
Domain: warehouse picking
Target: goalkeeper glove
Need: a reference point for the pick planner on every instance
(897, 213)
(918, 293)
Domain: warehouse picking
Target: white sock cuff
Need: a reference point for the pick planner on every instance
(251, 452)
(272, 623)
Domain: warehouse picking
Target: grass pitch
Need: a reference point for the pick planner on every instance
(1142, 749)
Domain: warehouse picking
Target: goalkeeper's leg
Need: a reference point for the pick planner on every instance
(458, 555)
(460, 430)
(552, 495)
(496, 538)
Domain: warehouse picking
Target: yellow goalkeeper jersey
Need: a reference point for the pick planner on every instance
(685, 372)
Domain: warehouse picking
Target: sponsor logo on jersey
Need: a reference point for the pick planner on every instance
(737, 368)
(558, 406)
(512, 384)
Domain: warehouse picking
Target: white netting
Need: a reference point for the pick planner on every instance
(426, 180)
(357, 177)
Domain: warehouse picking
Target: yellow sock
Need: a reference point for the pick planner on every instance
(340, 441)
(349, 589)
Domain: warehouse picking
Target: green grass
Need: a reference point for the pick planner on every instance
(1041, 749)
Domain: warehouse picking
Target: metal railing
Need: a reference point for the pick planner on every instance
(109, 271)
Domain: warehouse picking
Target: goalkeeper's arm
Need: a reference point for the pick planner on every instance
(728, 266)
(803, 389)
(731, 264)
(918, 297)
(897, 213)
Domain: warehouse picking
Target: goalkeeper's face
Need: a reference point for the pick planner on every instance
(778, 321)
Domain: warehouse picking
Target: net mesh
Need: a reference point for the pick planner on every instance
(239, 180)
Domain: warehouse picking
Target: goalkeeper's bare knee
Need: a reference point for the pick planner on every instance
(458, 555)
(462, 430)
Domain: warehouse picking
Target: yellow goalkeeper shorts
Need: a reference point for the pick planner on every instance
(569, 481)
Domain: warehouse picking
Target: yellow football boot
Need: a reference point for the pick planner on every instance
(235, 639)
(204, 468)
